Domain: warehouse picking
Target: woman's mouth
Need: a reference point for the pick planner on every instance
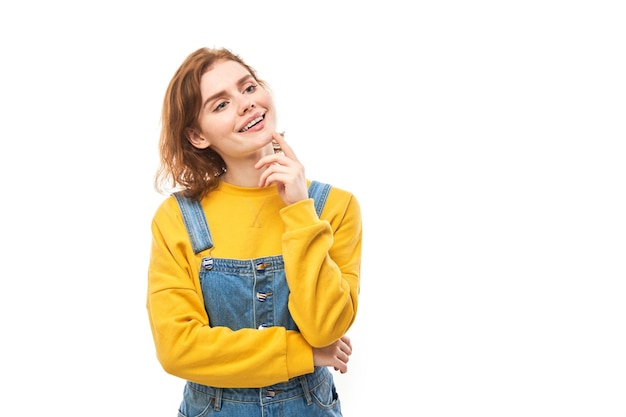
(252, 122)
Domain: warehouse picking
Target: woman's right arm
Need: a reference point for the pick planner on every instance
(186, 345)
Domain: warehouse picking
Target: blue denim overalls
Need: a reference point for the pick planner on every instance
(252, 293)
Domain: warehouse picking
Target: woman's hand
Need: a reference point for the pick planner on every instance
(335, 355)
(284, 170)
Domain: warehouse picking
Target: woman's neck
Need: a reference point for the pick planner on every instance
(242, 172)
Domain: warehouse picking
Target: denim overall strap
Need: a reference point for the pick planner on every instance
(195, 221)
(318, 191)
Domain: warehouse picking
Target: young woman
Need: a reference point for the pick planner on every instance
(254, 271)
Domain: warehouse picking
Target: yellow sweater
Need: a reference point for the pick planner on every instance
(322, 264)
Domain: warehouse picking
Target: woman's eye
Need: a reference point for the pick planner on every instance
(250, 88)
(220, 106)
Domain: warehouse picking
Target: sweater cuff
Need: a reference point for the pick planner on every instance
(299, 355)
(299, 213)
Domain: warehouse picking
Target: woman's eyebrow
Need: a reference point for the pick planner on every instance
(240, 82)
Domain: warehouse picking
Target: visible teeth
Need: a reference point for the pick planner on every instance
(252, 123)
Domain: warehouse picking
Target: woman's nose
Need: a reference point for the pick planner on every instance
(245, 105)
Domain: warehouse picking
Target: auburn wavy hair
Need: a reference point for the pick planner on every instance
(182, 166)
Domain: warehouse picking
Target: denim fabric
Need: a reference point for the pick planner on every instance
(246, 293)
(311, 395)
(252, 293)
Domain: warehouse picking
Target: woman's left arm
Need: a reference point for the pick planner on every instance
(322, 264)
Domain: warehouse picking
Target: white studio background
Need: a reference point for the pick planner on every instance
(484, 140)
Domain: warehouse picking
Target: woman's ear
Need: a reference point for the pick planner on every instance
(196, 139)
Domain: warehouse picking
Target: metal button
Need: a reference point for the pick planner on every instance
(272, 392)
(207, 263)
(262, 296)
(261, 266)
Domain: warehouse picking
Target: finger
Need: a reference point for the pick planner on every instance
(341, 367)
(275, 174)
(280, 139)
(347, 343)
(341, 355)
(269, 160)
(347, 351)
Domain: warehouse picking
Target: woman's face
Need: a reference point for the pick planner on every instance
(237, 116)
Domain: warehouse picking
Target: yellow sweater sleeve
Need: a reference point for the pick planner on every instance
(186, 345)
(322, 264)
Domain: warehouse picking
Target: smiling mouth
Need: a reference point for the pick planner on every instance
(252, 123)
